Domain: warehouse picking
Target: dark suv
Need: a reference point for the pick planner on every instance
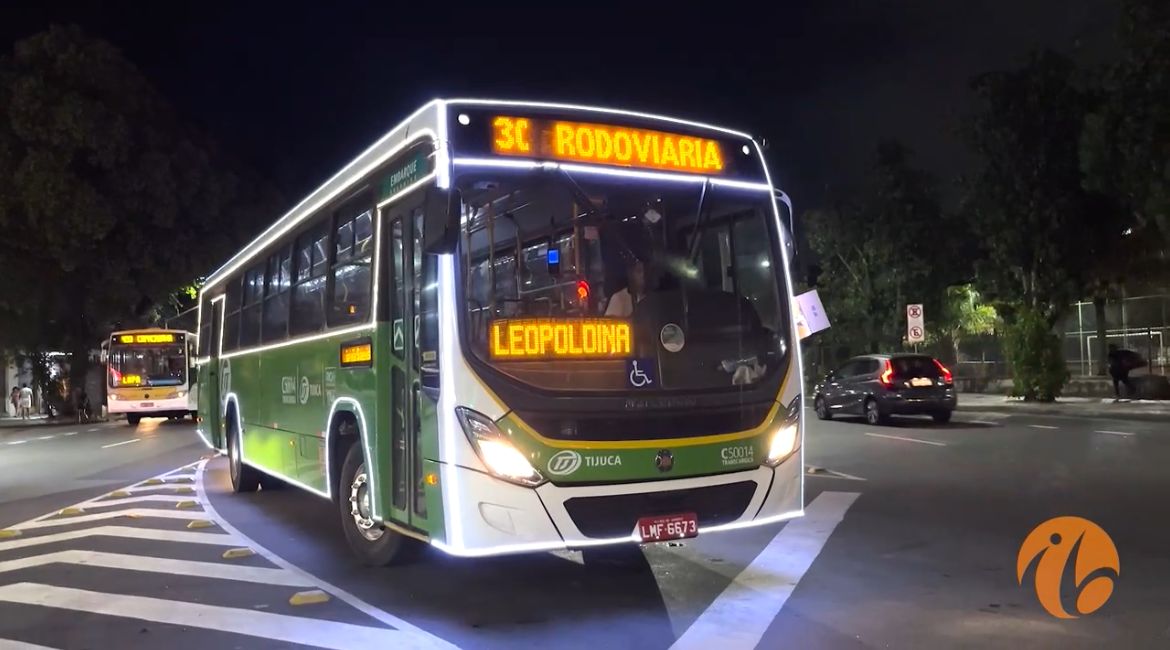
(880, 385)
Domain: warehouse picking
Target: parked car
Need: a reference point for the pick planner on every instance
(880, 385)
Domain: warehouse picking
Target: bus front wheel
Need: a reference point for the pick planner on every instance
(244, 478)
(372, 543)
(133, 419)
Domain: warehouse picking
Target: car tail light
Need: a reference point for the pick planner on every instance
(948, 378)
(887, 376)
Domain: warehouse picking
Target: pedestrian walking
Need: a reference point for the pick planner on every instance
(15, 399)
(1121, 362)
(26, 396)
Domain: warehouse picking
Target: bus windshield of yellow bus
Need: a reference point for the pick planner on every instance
(146, 365)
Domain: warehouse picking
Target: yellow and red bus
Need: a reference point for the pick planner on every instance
(149, 374)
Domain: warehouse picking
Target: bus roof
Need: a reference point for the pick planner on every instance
(428, 119)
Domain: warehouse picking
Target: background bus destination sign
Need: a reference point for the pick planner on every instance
(606, 144)
(552, 338)
(146, 338)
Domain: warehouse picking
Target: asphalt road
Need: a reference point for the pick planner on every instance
(910, 541)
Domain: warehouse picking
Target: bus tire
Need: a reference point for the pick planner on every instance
(133, 419)
(244, 478)
(372, 544)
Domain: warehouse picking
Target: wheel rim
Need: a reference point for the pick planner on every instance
(234, 457)
(871, 412)
(820, 406)
(359, 506)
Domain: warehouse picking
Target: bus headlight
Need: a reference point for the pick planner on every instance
(785, 439)
(496, 451)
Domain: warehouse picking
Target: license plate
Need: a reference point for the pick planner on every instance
(921, 381)
(664, 527)
(146, 405)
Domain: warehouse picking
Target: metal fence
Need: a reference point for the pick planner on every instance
(1139, 323)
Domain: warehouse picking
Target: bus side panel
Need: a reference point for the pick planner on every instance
(208, 412)
(294, 405)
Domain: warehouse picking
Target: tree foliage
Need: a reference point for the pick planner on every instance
(1033, 350)
(1043, 233)
(109, 202)
(964, 315)
(885, 246)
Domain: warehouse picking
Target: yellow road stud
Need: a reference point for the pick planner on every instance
(153, 481)
(185, 490)
(71, 511)
(118, 494)
(185, 505)
(310, 597)
(9, 533)
(200, 523)
(133, 515)
(235, 553)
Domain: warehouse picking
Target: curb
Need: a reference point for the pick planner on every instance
(1069, 411)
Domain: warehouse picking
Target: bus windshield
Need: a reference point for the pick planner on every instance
(587, 283)
(147, 365)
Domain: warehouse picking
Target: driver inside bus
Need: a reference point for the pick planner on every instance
(621, 304)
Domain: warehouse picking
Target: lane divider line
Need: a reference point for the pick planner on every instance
(739, 616)
(9, 644)
(266, 625)
(1117, 433)
(905, 439)
(132, 513)
(1042, 426)
(153, 534)
(217, 570)
(124, 442)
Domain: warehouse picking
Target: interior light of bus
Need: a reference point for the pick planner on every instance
(606, 144)
(550, 338)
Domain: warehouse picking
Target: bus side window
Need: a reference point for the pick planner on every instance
(308, 314)
(231, 319)
(353, 252)
(275, 327)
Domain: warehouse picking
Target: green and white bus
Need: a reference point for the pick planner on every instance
(515, 326)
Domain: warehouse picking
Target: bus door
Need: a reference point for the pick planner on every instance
(409, 407)
(213, 400)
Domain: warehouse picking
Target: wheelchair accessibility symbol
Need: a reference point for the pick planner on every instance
(640, 373)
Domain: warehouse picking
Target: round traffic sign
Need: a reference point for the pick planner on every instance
(916, 332)
(915, 311)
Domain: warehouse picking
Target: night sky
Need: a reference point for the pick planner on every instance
(297, 91)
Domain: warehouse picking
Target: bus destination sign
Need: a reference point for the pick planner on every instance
(605, 144)
(532, 339)
(146, 338)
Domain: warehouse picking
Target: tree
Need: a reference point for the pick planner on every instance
(964, 315)
(888, 245)
(1043, 233)
(108, 201)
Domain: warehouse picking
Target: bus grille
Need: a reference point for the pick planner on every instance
(648, 426)
(616, 516)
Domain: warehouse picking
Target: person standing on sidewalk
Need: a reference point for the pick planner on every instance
(15, 399)
(1121, 362)
(26, 396)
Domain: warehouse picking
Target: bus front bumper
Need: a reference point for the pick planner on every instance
(175, 405)
(488, 516)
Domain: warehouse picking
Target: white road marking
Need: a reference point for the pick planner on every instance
(1042, 426)
(7, 644)
(903, 438)
(1118, 433)
(69, 433)
(740, 615)
(219, 570)
(153, 534)
(279, 627)
(143, 498)
(92, 429)
(17, 442)
(119, 444)
(832, 473)
(418, 638)
(987, 422)
(48, 437)
(157, 513)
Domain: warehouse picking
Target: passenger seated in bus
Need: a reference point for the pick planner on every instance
(621, 303)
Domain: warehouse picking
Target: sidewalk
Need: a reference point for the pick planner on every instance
(7, 422)
(1088, 407)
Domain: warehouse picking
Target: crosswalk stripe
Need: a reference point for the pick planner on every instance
(217, 539)
(113, 514)
(277, 627)
(145, 498)
(150, 564)
(739, 616)
(8, 644)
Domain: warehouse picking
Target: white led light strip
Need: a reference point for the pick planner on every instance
(606, 171)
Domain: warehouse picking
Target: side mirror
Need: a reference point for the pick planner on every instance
(441, 220)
